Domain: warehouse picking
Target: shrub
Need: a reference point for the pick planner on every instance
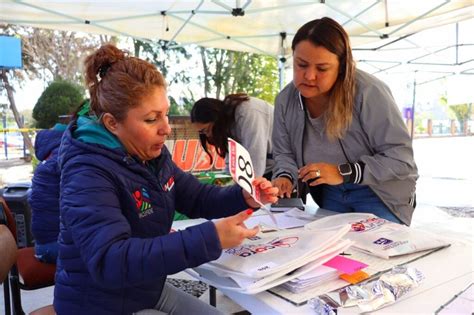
(59, 98)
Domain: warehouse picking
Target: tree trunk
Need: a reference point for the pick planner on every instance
(136, 48)
(219, 81)
(16, 114)
(207, 86)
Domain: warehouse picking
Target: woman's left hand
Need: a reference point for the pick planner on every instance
(320, 173)
(268, 193)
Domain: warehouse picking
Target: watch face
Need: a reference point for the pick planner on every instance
(345, 169)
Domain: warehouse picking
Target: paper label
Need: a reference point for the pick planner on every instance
(265, 267)
(355, 277)
(345, 264)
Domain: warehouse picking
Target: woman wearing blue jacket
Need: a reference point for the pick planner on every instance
(119, 191)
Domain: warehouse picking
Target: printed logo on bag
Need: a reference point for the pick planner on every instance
(169, 184)
(394, 244)
(367, 225)
(142, 202)
(248, 250)
(383, 241)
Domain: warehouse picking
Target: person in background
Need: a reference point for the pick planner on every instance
(339, 130)
(119, 191)
(247, 120)
(43, 197)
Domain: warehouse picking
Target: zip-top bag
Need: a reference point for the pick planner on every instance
(267, 260)
(379, 237)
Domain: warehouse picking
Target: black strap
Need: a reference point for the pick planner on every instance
(343, 150)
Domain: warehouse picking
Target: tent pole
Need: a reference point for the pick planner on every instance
(412, 129)
(282, 60)
(281, 71)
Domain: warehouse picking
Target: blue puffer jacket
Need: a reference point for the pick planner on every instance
(44, 195)
(116, 214)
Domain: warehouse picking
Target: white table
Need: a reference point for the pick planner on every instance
(447, 272)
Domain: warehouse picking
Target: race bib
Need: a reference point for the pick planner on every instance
(241, 168)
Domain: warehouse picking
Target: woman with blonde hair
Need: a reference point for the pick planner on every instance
(338, 130)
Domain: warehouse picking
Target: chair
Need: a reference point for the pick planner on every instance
(28, 273)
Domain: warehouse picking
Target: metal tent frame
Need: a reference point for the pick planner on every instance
(264, 27)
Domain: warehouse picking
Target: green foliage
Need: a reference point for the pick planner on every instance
(223, 72)
(164, 55)
(180, 110)
(59, 98)
(262, 78)
(227, 72)
(462, 112)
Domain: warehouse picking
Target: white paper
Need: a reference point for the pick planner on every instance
(284, 221)
(302, 215)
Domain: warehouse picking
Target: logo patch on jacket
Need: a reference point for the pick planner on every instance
(143, 203)
(169, 185)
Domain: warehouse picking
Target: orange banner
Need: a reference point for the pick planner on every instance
(190, 156)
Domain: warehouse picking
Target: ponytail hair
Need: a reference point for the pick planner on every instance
(118, 82)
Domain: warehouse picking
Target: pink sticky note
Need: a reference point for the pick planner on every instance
(345, 264)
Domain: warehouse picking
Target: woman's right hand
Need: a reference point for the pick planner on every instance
(232, 230)
(284, 185)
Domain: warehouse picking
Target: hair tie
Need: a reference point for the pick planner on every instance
(102, 71)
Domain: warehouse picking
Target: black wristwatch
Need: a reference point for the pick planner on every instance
(346, 171)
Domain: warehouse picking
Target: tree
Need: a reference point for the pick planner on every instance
(51, 54)
(462, 112)
(46, 54)
(166, 56)
(16, 115)
(223, 72)
(27, 115)
(227, 72)
(59, 98)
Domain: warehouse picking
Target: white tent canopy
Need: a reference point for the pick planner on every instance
(385, 34)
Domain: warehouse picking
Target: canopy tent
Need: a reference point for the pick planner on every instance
(385, 34)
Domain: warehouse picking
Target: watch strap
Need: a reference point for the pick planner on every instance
(356, 175)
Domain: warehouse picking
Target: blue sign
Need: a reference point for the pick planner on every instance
(10, 52)
(407, 112)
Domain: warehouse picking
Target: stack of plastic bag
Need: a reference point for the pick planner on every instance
(378, 237)
(318, 276)
(268, 260)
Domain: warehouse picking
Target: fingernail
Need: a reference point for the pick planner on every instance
(249, 211)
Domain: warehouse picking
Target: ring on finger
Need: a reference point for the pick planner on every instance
(318, 173)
